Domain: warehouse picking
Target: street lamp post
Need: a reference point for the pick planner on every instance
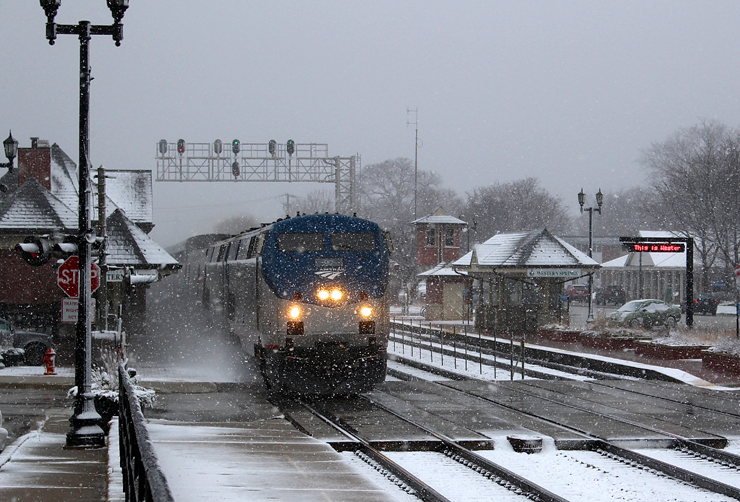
(85, 431)
(11, 150)
(599, 202)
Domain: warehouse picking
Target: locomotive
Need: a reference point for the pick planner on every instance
(307, 296)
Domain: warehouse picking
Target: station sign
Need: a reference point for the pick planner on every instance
(554, 272)
(655, 247)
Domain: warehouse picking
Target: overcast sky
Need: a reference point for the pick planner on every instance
(569, 92)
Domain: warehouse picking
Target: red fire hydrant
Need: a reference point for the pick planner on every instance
(49, 361)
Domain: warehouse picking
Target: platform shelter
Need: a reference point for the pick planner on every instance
(520, 277)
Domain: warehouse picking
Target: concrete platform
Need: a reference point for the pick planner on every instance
(38, 467)
(263, 460)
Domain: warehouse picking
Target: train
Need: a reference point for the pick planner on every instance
(307, 296)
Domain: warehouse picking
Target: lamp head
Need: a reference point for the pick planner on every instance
(118, 9)
(11, 150)
(50, 8)
(581, 199)
(599, 199)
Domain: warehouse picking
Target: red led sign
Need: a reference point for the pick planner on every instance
(654, 247)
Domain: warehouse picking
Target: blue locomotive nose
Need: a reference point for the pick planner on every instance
(314, 258)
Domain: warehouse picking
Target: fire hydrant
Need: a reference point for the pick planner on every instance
(49, 361)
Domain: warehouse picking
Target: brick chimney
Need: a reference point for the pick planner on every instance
(35, 162)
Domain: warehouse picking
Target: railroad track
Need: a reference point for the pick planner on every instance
(685, 461)
(489, 480)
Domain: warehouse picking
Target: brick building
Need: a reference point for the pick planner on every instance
(438, 244)
(40, 198)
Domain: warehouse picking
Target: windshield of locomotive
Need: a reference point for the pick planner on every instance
(355, 241)
(300, 242)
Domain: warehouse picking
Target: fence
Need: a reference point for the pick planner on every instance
(143, 480)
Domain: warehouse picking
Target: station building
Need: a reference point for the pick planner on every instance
(520, 279)
(40, 198)
(438, 239)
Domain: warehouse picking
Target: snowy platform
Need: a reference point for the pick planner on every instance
(262, 460)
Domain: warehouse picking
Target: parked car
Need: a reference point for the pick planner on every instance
(34, 344)
(610, 294)
(706, 304)
(646, 314)
(578, 293)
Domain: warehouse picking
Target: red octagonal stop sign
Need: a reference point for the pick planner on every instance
(69, 273)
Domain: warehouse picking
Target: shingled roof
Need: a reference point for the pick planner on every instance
(128, 246)
(34, 209)
(538, 248)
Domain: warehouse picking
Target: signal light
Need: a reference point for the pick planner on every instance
(235, 146)
(290, 147)
(217, 147)
(162, 146)
(35, 251)
(67, 247)
(180, 146)
(271, 147)
(235, 169)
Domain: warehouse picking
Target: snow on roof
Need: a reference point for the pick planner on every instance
(131, 191)
(33, 208)
(538, 248)
(63, 177)
(439, 216)
(129, 246)
(442, 269)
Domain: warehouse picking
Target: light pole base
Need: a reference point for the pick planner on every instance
(86, 431)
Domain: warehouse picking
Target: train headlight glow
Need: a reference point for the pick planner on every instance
(366, 311)
(334, 294)
(294, 312)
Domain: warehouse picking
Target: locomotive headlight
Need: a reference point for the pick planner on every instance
(335, 294)
(366, 312)
(294, 312)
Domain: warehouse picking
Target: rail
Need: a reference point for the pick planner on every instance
(143, 480)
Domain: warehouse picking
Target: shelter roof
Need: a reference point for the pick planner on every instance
(439, 216)
(442, 269)
(129, 246)
(34, 209)
(538, 248)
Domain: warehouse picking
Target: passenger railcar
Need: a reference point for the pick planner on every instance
(307, 296)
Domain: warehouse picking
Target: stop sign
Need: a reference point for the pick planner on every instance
(69, 273)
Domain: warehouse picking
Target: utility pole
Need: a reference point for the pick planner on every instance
(415, 123)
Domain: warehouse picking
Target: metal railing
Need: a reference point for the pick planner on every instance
(143, 480)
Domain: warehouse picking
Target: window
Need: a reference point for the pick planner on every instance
(355, 241)
(431, 237)
(222, 251)
(300, 243)
(450, 237)
(233, 250)
(244, 246)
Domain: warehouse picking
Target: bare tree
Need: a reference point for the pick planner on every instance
(387, 197)
(514, 206)
(625, 212)
(697, 180)
(318, 201)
